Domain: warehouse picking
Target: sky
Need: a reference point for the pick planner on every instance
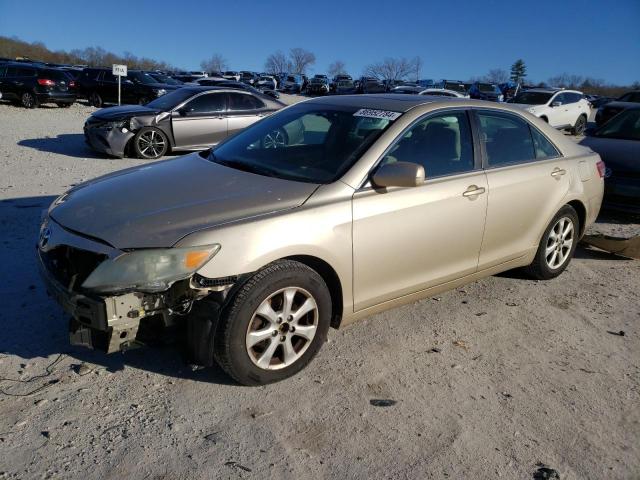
(457, 40)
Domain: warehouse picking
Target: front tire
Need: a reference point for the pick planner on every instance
(557, 246)
(274, 325)
(150, 143)
(29, 100)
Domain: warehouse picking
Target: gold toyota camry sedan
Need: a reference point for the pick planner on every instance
(364, 203)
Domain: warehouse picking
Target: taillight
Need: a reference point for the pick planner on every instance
(72, 84)
(601, 168)
(46, 83)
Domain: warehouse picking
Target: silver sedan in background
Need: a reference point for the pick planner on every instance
(190, 118)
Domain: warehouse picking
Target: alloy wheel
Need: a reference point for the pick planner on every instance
(28, 100)
(282, 328)
(151, 144)
(559, 243)
(580, 125)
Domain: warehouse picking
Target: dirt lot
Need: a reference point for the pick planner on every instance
(490, 380)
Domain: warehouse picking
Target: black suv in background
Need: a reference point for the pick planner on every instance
(100, 86)
(32, 85)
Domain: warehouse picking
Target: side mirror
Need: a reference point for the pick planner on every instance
(182, 112)
(399, 174)
(556, 104)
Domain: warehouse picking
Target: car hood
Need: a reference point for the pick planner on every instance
(155, 205)
(124, 111)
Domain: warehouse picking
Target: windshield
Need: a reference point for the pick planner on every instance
(532, 98)
(625, 125)
(306, 143)
(456, 87)
(170, 100)
(165, 79)
(486, 87)
(630, 97)
(141, 77)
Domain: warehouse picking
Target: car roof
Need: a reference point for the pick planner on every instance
(394, 102)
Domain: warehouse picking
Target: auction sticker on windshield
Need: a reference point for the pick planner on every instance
(370, 113)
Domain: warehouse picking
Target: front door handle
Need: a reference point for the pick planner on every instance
(558, 172)
(473, 191)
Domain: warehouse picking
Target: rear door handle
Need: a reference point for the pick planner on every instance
(558, 172)
(473, 191)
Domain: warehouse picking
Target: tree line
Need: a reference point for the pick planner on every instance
(299, 60)
(94, 56)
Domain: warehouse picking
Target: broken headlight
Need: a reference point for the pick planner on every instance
(152, 270)
(123, 125)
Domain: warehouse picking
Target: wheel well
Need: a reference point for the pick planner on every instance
(582, 213)
(332, 280)
(544, 118)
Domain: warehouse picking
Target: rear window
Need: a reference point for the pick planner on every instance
(532, 98)
(243, 101)
(507, 139)
(26, 72)
(58, 75)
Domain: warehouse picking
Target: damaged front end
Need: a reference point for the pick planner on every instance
(114, 297)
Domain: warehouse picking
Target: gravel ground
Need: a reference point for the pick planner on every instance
(490, 380)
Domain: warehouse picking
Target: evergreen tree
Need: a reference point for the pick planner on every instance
(518, 71)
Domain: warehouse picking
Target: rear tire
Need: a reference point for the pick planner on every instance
(580, 126)
(95, 100)
(29, 100)
(557, 246)
(274, 324)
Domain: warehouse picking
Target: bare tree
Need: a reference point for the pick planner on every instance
(215, 63)
(277, 63)
(337, 68)
(497, 75)
(301, 59)
(566, 80)
(390, 69)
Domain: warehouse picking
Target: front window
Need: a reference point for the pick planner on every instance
(307, 143)
(170, 100)
(532, 98)
(625, 125)
(442, 144)
(165, 79)
(486, 88)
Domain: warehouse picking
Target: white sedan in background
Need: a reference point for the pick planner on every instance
(443, 92)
